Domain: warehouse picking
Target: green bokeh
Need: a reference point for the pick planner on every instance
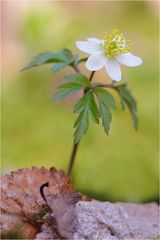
(36, 131)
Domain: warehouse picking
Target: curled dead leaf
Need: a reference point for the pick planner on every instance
(21, 201)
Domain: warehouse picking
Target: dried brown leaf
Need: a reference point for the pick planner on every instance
(21, 197)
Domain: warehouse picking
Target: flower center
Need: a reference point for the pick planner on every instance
(115, 44)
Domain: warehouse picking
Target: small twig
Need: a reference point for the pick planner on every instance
(41, 189)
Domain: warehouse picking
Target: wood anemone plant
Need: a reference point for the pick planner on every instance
(96, 102)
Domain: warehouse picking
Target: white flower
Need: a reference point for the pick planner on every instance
(108, 53)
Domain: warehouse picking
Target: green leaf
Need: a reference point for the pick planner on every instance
(80, 105)
(94, 111)
(70, 56)
(76, 59)
(106, 116)
(64, 56)
(78, 78)
(58, 66)
(67, 89)
(76, 82)
(105, 101)
(81, 125)
(106, 97)
(86, 107)
(82, 122)
(128, 99)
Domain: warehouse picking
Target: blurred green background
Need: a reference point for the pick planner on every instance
(38, 132)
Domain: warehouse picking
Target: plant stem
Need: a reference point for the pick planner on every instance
(110, 85)
(73, 156)
(91, 76)
(76, 68)
(82, 60)
(107, 85)
(75, 145)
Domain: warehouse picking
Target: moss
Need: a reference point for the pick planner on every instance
(39, 215)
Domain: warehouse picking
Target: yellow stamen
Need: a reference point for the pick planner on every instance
(115, 44)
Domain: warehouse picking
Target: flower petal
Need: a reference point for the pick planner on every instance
(129, 59)
(113, 69)
(89, 47)
(95, 40)
(95, 62)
